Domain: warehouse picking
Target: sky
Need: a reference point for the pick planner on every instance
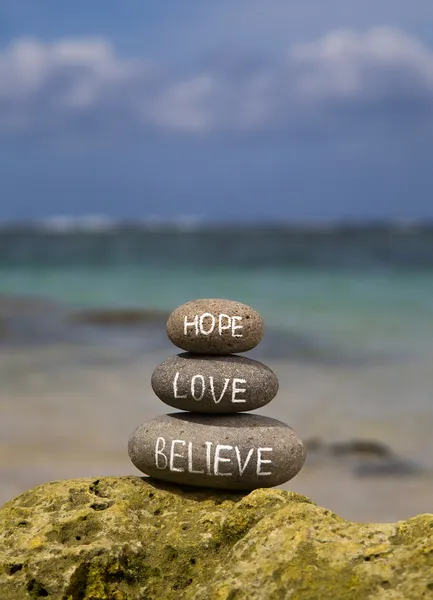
(239, 110)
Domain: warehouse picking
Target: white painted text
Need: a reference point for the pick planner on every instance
(199, 385)
(207, 323)
(219, 460)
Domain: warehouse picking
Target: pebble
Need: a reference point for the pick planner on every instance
(239, 452)
(215, 326)
(214, 384)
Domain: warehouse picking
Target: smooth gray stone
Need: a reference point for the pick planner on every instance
(215, 326)
(240, 452)
(214, 384)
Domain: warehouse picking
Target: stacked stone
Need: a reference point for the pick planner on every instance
(214, 445)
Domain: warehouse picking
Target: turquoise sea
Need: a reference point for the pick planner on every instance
(354, 288)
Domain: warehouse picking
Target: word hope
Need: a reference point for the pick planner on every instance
(221, 323)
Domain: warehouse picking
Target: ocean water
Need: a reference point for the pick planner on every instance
(367, 289)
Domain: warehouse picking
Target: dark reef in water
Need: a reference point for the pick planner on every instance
(365, 458)
(118, 317)
(35, 322)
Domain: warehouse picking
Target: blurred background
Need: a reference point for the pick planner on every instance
(274, 153)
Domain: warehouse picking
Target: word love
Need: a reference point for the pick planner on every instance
(204, 384)
(207, 323)
(220, 460)
(199, 385)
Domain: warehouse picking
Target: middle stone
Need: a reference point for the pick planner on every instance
(214, 384)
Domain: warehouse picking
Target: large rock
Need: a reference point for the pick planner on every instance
(125, 538)
(228, 452)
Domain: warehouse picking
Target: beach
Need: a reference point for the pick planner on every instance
(82, 326)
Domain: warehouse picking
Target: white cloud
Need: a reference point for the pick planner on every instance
(184, 105)
(373, 64)
(83, 87)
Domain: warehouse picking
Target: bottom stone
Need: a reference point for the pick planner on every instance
(240, 452)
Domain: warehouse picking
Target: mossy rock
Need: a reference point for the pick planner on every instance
(128, 538)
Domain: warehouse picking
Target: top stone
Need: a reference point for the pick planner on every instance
(214, 326)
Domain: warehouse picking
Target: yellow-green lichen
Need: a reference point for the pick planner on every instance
(127, 538)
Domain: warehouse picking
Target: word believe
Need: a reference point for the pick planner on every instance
(206, 323)
(198, 388)
(179, 457)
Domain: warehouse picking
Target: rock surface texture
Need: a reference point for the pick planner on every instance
(240, 452)
(215, 326)
(212, 444)
(214, 384)
(127, 538)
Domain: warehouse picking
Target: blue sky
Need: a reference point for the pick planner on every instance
(236, 109)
